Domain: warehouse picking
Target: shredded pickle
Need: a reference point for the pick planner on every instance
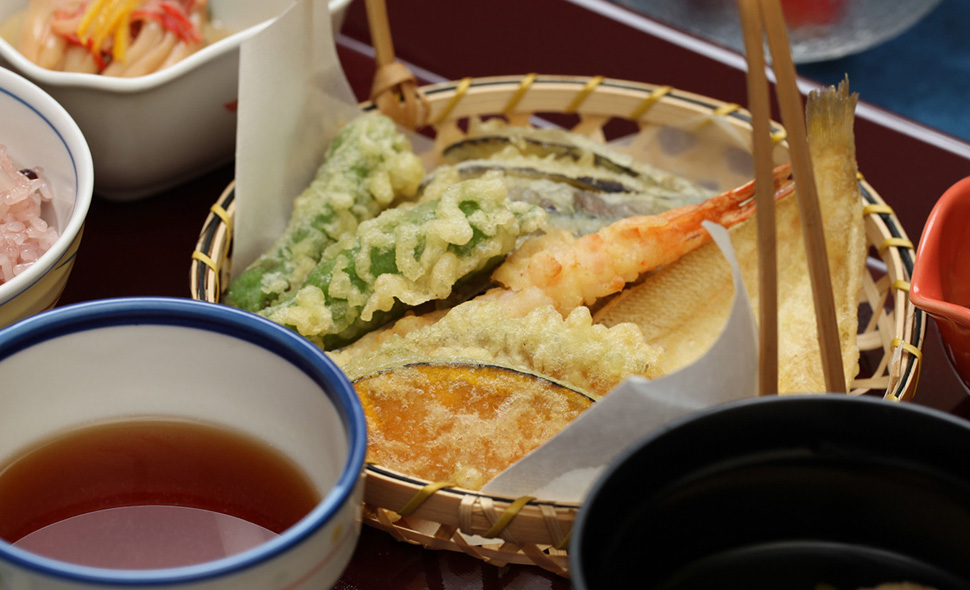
(108, 18)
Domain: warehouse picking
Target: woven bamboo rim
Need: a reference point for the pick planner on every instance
(528, 530)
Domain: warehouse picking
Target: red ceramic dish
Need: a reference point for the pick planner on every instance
(941, 274)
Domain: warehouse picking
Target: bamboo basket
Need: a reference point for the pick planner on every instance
(503, 530)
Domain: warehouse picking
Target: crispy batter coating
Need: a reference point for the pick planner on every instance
(367, 167)
(461, 422)
(518, 330)
(404, 257)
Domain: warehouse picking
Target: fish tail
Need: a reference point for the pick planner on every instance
(830, 117)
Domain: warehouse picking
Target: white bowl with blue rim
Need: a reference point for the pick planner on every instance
(145, 356)
(38, 132)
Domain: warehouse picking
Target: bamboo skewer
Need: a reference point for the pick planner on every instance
(760, 108)
(772, 22)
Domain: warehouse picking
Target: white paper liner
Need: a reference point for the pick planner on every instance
(566, 466)
(293, 98)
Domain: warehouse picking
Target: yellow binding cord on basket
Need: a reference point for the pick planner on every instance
(876, 209)
(901, 285)
(727, 109)
(460, 91)
(580, 98)
(654, 97)
(423, 494)
(721, 111)
(507, 515)
(565, 541)
(895, 243)
(917, 354)
(520, 93)
(204, 259)
(779, 136)
(222, 214)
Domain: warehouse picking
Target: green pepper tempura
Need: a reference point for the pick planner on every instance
(404, 257)
(367, 167)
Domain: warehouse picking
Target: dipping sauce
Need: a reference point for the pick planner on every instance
(150, 493)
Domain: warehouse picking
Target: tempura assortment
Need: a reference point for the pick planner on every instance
(124, 38)
(522, 259)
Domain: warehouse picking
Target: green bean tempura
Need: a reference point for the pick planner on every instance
(367, 167)
(404, 257)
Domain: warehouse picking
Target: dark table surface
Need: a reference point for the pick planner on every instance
(144, 247)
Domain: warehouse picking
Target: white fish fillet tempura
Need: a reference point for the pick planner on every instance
(683, 307)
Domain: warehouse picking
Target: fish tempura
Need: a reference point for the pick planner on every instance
(683, 307)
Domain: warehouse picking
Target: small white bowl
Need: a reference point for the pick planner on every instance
(38, 132)
(116, 359)
(151, 133)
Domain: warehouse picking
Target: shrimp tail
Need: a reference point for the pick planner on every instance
(735, 205)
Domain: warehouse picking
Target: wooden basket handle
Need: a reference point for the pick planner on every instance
(395, 89)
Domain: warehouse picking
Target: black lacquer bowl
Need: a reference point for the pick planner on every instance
(821, 491)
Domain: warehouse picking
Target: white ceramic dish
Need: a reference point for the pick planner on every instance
(151, 133)
(115, 359)
(38, 132)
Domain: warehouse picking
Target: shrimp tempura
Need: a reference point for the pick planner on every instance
(578, 271)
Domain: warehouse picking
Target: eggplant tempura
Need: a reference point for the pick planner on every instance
(582, 184)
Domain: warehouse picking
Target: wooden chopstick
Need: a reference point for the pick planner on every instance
(380, 32)
(793, 118)
(760, 108)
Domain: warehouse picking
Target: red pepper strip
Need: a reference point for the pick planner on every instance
(164, 20)
(63, 19)
(182, 18)
(173, 18)
(98, 56)
(176, 25)
(101, 59)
